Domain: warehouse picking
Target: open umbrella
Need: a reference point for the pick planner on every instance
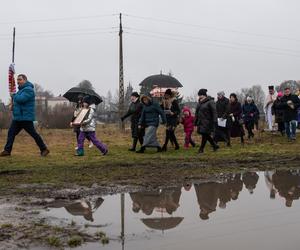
(73, 95)
(162, 223)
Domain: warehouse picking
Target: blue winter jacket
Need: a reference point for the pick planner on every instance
(150, 115)
(24, 103)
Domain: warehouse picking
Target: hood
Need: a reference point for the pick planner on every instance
(26, 84)
(145, 96)
(187, 109)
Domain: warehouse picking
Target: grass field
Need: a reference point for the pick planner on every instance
(62, 168)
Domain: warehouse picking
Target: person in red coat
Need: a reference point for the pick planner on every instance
(188, 124)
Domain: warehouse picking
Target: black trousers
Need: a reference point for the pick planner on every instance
(205, 138)
(16, 127)
(170, 136)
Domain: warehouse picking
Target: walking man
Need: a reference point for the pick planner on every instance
(23, 116)
(290, 104)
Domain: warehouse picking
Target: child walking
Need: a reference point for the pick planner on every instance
(88, 129)
(76, 129)
(188, 124)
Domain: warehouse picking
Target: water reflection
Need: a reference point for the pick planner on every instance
(232, 201)
(82, 208)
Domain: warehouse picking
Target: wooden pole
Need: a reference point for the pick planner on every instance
(121, 76)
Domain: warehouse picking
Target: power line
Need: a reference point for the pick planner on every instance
(213, 40)
(59, 19)
(65, 35)
(58, 31)
(211, 28)
(211, 44)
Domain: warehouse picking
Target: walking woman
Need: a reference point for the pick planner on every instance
(150, 121)
(250, 111)
(171, 108)
(135, 111)
(235, 113)
(206, 119)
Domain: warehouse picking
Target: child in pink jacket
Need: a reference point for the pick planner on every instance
(188, 123)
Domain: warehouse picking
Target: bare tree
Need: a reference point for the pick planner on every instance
(256, 92)
(86, 84)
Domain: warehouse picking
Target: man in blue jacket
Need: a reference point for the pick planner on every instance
(23, 117)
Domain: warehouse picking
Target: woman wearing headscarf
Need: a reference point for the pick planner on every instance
(250, 111)
(172, 110)
(206, 119)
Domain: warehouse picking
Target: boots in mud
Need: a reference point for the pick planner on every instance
(142, 150)
(132, 149)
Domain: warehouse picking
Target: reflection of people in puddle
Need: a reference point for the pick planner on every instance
(250, 180)
(288, 185)
(164, 200)
(207, 196)
(235, 185)
(79, 208)
(269, 182)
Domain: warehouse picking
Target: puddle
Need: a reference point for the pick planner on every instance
(238, 211)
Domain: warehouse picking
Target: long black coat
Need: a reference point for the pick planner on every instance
(135, 111)
(289, 114)
(236, 129)
(172, 120)
(277, 111)
(222, 106)
(206, 116)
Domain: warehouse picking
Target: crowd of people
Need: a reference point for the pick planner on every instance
(215, 121)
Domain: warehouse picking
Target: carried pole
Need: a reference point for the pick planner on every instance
(13, 48)
(121, 76)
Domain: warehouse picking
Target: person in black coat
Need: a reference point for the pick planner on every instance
(235, 113)
(290, 104)
(206, 119)
(278, 113)
(172, 110)
(222, 105)
(250, 111)
(135, 111)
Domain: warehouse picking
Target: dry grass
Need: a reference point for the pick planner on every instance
(61, 166)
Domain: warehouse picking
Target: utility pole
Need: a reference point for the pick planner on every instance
(123, 220)
(121, 75)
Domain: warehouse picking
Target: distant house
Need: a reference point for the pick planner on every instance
(61, 101)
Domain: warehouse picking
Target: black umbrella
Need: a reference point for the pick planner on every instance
(73, 95)
(161, 81)
(162, 223)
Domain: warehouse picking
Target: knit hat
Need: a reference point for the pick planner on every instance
(202, 92)
(279, 94)
(135, 94)
(87, 99)
(271, 87)
(221, 93)
(168, 92)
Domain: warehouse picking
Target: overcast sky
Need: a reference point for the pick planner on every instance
(216, 44)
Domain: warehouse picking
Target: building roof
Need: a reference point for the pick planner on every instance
(161, 81)
(58, 98)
